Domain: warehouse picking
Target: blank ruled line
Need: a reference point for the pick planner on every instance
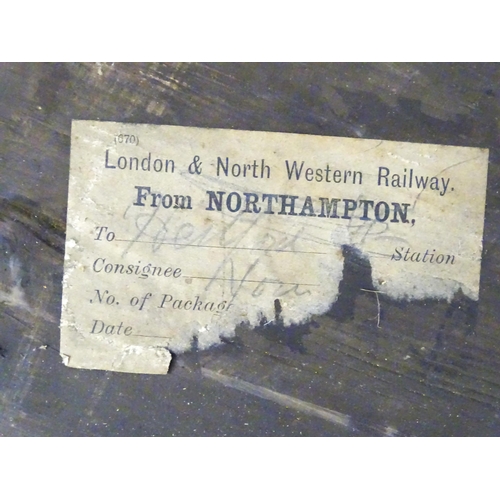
(218, 246)
(248, 281)
(151, 336)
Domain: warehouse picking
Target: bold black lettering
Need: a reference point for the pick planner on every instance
(402, 211)
(230, 196)
(251, 199)
(290, 204)
(329, 206)
(141, 195)
(212, 197)
(378, 207)
(349, 206)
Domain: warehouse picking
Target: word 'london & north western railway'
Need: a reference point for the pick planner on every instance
(283, 204)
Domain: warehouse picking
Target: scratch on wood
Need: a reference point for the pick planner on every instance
(281, 399)
(376, 292)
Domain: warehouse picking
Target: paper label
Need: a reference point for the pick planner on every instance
(179, 233)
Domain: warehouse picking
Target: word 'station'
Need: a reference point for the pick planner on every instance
(177, 235)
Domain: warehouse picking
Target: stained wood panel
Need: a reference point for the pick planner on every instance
(419, 368)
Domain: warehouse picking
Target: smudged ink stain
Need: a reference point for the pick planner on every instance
(292, 336)
(277, 311)
(357, 275)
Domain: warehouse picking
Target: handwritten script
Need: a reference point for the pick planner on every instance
(178, 234)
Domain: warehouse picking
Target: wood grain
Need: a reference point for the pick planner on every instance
(429, 367)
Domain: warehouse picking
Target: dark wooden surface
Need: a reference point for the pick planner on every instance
(432, 368)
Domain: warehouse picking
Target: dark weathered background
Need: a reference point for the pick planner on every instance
(432, 368)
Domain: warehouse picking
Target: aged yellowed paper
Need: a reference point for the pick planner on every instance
(179, 233)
